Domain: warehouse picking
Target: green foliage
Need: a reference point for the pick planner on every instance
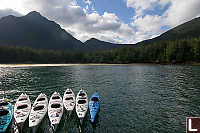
(178, 51)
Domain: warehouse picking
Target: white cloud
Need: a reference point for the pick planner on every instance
(77, 20)
(151, 25)
(148, 23)
(108, 27)
(148, 26)
(6, 12)
(141, 5)
(89, 2)
(182, 11)
(16, 5)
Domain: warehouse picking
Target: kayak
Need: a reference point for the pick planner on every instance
(55, 110)
(22, 109)
(94, 106)
(15, 128)
(81, 104)
(38, 111)
(6, 113)
(69, 100)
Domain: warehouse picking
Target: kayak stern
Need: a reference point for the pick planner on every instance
(54, 127)
(92, 120)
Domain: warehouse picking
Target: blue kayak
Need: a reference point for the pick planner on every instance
(94, 106)
(6, 113)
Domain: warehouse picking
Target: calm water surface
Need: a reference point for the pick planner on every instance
(134, 98)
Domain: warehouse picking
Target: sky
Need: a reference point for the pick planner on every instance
(117, 21)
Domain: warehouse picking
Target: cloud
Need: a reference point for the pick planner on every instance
(97, 23)
(6, 12)
(142, 5)
(182, 11)
(79, 22)
(106, 27)
(150, 17)
(89, 2)
(149, 25)
(85, 25)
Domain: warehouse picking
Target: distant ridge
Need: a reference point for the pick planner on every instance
(34, 30)
(96, 45)
(190, 29)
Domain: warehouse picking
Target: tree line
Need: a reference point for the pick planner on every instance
(178, 51)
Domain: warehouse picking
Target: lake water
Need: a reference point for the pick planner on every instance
(134, 98)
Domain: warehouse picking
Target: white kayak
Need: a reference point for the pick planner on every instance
(55, 109)
(69, 100)
(22, 109)
(38, 111)
(81, 104)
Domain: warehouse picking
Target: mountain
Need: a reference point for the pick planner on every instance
(190, 29)
(94, 44)
(36, 31)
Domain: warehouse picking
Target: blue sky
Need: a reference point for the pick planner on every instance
(112, 6)
(117, 21)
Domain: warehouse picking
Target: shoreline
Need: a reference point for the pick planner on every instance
(92, 64)
(46, 65)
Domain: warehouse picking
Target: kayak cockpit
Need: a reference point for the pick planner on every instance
(22, 106)
(38, 108)
(95, 99)
(69, 98)
(3, 104)
(81, 101)
(23, 99)
(41, 99)
(56, 97)
(68, 92)
(4, 112)
(82, 94)
(55, 106)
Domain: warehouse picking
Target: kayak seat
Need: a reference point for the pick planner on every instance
(81, 101)
(82, 94)
(68, 92)
(38, 108)
(40, 99)
(4, 104)
(56, 97)
(3, 112)
(55, 106)
(23, 99)
(69, 98)
(95, 99)
(22, 106)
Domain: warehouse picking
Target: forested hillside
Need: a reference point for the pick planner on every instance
(178, 51)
